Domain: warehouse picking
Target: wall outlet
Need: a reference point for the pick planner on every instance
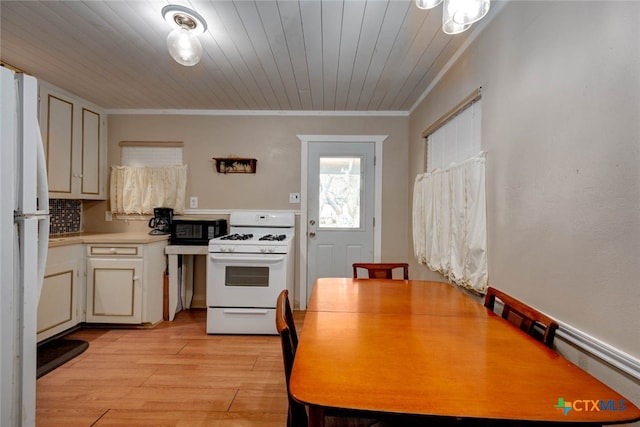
(108, 216)
(193, 202)
(294, 197)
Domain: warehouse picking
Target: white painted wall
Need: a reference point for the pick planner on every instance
(273, 141)
(561, 125)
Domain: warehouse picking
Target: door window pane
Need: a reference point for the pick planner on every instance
(339, 195)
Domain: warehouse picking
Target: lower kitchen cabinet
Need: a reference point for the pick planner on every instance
(62, 289)
(114, 290)
(125, 283)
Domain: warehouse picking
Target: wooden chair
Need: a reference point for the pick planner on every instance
(297, 416)
(381, 270)
(538, 325)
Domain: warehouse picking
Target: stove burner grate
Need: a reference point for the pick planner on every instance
(274, 237)
(237, 237)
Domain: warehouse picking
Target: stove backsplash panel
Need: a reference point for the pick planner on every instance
(66, 216)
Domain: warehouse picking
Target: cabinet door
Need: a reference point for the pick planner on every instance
(114, 290)
(74, 135)
(62, 288)
(57, 129)
(57, 305)
(91, 168)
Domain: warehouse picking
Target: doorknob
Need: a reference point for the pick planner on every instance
(312, 234)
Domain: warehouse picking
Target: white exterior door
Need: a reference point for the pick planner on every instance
(340, 208)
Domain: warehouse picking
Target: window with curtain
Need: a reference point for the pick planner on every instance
(151, 175)
(449, 207)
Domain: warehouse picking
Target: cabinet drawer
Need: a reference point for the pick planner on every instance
(114, 250)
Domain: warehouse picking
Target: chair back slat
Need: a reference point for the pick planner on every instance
(381, 270)
(537, 324)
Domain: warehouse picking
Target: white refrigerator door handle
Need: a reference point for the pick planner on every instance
(43, 202)
(43, 248)
(43, 185)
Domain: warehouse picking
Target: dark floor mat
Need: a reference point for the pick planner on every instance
(56, 353)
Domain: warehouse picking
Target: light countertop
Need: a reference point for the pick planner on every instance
(133, 237)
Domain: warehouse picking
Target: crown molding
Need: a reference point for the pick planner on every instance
(276, 113)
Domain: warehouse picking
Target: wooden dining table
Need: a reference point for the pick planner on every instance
(422, 348)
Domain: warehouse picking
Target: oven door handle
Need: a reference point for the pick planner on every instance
(272, 259)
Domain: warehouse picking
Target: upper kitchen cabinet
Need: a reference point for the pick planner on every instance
(74, 136)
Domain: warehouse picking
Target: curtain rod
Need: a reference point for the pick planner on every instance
(470, 99)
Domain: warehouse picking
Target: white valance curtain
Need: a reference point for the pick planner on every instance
(449, 222)
(139, 189)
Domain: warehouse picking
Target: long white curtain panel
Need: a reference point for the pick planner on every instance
(449, 222)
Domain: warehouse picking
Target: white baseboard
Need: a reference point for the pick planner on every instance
(603, 351)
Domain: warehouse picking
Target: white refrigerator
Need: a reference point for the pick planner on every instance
(24, 238)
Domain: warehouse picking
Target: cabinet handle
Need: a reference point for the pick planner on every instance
(136, 278)
(113, 250)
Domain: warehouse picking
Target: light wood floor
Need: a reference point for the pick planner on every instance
(171, 375)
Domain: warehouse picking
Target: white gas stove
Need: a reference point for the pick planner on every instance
(246, 271)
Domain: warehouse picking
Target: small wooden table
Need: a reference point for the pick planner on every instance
(425, 348)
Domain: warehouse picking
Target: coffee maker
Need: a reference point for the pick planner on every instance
(161, 221)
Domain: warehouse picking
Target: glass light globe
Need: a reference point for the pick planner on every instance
(449, 26)
(470, 11)
(427, 4)
(184, 47)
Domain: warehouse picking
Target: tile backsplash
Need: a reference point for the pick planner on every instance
(66, 216)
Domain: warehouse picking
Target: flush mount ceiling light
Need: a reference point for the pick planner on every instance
(183, 42)
(458, 15)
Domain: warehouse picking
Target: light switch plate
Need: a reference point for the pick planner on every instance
(193, 202)
(294, 197)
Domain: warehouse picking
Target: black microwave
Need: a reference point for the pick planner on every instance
(197, 231)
